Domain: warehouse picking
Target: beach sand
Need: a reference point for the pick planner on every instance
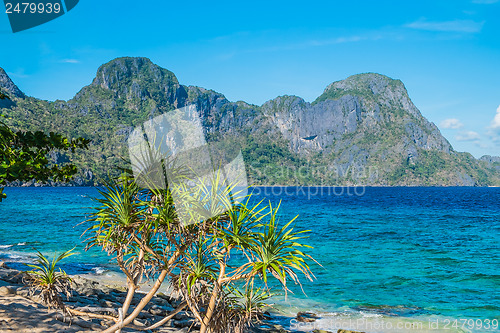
(22, 312)
(18, 314)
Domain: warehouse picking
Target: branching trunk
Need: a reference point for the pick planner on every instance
(140, 306)
(213, 299)
(132, 282)
(132, 285)
(145, 300)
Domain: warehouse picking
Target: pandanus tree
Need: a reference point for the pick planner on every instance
(217, 250)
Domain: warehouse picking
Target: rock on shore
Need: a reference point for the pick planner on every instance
(22, 312)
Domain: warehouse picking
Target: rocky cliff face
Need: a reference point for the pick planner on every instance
(138, 79)
(492, 162)
(8, 87)
(357, 123)
(363, 130)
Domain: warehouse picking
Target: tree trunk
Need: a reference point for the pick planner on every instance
(132, 285)
(140, 306)
(213, 299)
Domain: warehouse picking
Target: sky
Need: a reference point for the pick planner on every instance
(447, 53)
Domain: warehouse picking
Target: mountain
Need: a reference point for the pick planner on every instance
(491, 161)
(363, 130)
(8, 87)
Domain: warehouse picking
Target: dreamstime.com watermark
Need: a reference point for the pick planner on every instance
(383, 325)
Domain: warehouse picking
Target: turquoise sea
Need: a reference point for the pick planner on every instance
(386, 253)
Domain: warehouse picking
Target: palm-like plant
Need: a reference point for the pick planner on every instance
(249, 244)
(45, 277)
(250, 302)
(210, 244)
(278, 251)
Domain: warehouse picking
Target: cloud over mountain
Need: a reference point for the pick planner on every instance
(451, 123)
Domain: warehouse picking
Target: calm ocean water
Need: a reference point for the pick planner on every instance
(385, 252)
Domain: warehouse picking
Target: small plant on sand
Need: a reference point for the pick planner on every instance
(218, 253)
(48, 279)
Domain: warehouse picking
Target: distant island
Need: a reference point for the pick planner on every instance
(363, 130)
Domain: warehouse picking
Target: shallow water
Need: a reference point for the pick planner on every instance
(416, 253)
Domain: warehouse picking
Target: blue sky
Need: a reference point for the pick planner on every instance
(446, 52)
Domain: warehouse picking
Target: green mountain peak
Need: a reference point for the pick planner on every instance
(367, 85)
(8, 87)
(363, 130)
(126, 71)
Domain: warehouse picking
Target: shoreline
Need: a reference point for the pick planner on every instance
(367, 293)
(103, 292)
(22, 312)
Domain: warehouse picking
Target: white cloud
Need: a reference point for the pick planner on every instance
(467, 26)
(70, 61)
(495, 124)
(468, 136)
(452, 123)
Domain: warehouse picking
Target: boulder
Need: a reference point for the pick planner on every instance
(7, 291)
(306, 317)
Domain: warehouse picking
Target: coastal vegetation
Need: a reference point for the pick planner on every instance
(48, 280)
(218, 249)
(366, 121)
(24, 155)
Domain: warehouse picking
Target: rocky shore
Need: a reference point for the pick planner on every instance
(22, 312)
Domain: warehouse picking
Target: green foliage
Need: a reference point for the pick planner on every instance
(251, 300)
(207, 258)
(45, 277)
(128, 91)
(428, 165)
(3, 96)
(277, 250)
(356, 85)
(23, 156)
(247, 303)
